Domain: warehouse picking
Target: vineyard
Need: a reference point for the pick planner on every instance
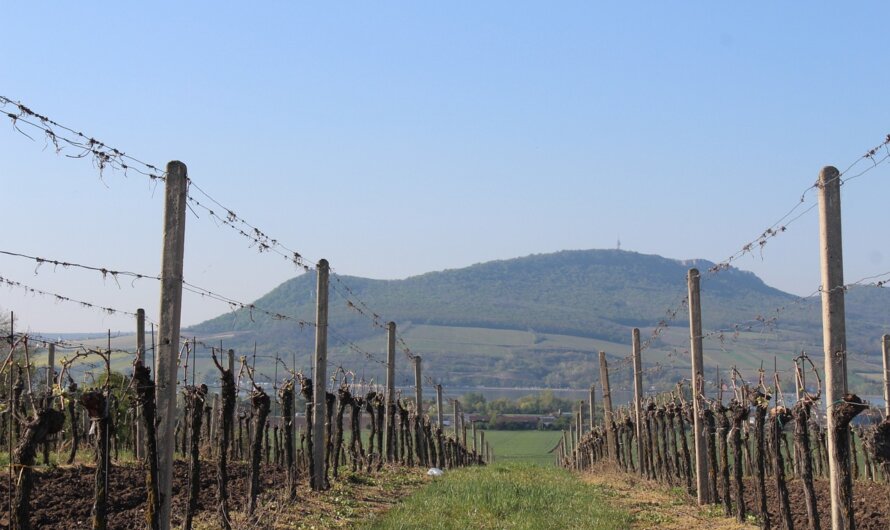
(750, 452)
(145, 443)
(229, 446)
(142, 447)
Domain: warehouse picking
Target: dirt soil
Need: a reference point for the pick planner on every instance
(655, 505)
(62, 498)
(871, 503)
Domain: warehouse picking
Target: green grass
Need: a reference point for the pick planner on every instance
(523, 446)
(505, 495)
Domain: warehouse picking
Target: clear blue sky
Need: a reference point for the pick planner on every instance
(400, 138)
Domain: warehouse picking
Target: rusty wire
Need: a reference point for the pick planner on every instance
(61, 136)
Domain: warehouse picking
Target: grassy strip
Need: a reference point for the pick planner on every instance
(652, 505)
(505, 495)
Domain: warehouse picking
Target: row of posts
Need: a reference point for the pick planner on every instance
(833, 323)
(835, 359)
(173, 251)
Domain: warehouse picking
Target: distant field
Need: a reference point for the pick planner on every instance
(523, 446)
(511, 359)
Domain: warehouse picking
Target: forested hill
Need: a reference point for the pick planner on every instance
(592, 294)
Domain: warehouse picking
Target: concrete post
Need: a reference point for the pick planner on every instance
(834, 339)
(473, 425)
(455, 421)
(608, 419)
(140, 355)
(214, 424)
(172, 258)
(798, 363)
(50, 366)
(482, 442)
(230, 359)
(439, 412)
(638, 398)
(565, 444)
(695, 339)
(390, 387)
(572, 438)
(885, 349)
(418, 385)
(320, 374)
(580, 419)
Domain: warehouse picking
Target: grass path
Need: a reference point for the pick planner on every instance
(505, 495)
(524, 490)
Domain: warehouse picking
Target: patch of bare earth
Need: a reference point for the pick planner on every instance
(62, 497)
(655, 506)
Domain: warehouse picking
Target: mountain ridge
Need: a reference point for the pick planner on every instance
(595, 295)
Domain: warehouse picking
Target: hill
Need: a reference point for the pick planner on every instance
(539, 320)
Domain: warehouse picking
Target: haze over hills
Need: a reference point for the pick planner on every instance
(538, 320)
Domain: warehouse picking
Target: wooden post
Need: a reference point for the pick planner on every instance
(418, 386)
(834, 341)
(607, 407)
(140, 356)
(885, 349)
(592, 408)
(439, 413)
(172, 258)
(695, 340)
(389, 429)
(638, 398)
(320, 371)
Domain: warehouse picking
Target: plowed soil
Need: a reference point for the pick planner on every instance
(63, 496)
(871, 503)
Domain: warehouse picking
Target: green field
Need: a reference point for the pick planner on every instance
(505, 495)
(523, 446)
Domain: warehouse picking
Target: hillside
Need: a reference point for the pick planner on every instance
(537, 320)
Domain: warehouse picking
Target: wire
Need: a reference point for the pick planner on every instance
(258, 239)
(105, 156)
(67, 299)
(190, 287)
(59, 136)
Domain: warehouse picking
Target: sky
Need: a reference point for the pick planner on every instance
(397, 138)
